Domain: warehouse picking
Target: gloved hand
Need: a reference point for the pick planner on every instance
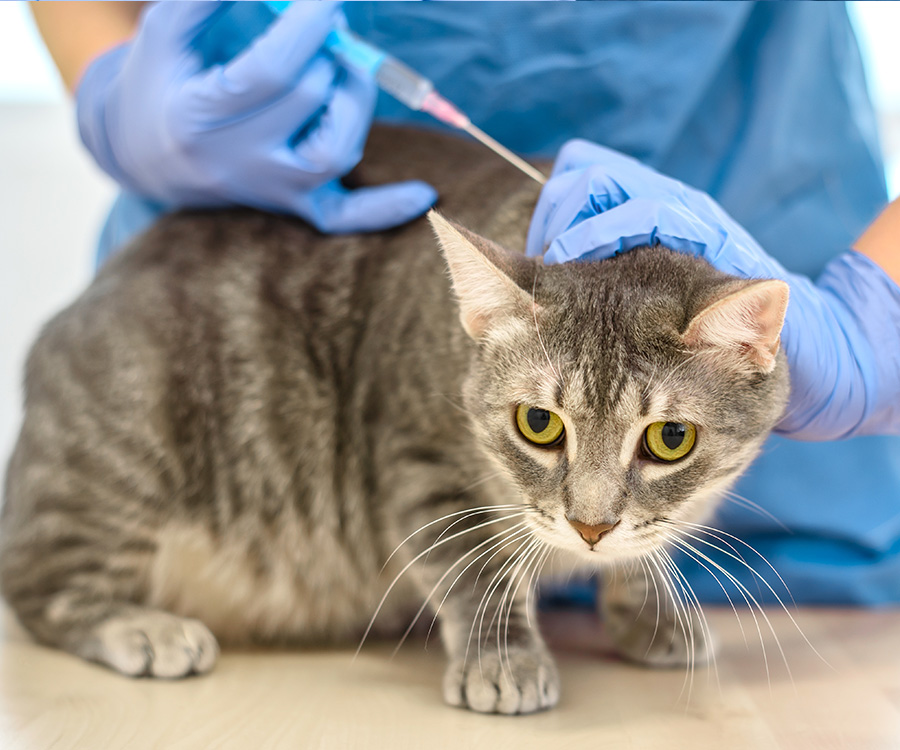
(841, 334)
(274, 128)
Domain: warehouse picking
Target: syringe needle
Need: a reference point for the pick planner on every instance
(415, 91)
(501, 150)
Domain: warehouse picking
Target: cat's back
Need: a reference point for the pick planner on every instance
(210, 314)
(236, 262)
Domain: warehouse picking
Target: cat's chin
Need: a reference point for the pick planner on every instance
(610, 557)
(601, 557)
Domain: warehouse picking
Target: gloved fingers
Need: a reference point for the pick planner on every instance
(212, 99)
(567, 199)
(634, 177)
(168, 29)
(592, 195)
(633, 224)
(579, 154)
(334, 145)
(335, 210)
(277, 61)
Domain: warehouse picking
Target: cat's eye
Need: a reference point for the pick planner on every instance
(539, 426)
(669, 441)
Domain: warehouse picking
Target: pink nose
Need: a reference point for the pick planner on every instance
(592, 533)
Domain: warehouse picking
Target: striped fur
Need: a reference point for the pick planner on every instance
(228, 433)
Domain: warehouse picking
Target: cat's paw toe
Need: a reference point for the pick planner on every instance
(671, 653)
(155, 644)
(521, 681)
(661, 643)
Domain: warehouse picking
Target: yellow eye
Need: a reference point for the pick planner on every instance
(669, 441)
(539, 426)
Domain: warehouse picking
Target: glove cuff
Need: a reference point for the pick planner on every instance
(845, 330)
(871, 301)
(91, 100)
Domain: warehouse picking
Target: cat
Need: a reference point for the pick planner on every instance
(231, 430)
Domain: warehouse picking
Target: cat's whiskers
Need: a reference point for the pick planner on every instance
(576, 562)
(742, 501)
(419, 557)
(535, 581)
(710, 531)
(648, 574)
(748, 597)
(727, 596)
(489, 590)
(715, 534)
(470, 511)
(504, 535)
(646, 587)
(718, 535)
(706, 631)
(485, 599)
(689, 604)
(523, 507)
(528, 557)
(510, 536)
(521, 555)
(681, 616)
(481, 571)
(674, 541)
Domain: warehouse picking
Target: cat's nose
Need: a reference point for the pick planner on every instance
(592, 533)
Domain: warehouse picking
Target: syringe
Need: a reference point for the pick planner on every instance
(414, 90)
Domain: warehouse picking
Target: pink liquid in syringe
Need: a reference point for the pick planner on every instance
(439, 108)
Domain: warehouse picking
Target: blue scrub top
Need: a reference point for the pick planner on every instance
(763, 106)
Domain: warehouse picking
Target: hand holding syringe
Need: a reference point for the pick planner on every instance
(414, 90)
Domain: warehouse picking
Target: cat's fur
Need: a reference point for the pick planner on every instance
(233, 427)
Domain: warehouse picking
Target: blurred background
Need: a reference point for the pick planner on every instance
(53, 199)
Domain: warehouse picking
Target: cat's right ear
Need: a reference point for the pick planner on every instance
(489, 281)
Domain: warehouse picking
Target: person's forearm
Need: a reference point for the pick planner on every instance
(76, 32)
(881, 241)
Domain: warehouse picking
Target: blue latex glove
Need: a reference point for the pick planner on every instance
(841, 334)
(274, 128)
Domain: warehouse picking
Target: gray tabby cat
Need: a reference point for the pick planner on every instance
(230, 431)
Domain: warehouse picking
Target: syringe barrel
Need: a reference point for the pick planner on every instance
(403, 83)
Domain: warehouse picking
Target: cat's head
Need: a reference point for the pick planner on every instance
(621, 395)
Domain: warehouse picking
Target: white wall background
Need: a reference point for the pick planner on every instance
(52, 202)
(53, 199)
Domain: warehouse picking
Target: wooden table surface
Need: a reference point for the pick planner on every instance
(274, 700)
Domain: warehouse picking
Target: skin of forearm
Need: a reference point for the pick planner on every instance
(881, 241)
(76, 32)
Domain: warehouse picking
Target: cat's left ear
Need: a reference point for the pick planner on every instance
(490, 282)
(744, 325)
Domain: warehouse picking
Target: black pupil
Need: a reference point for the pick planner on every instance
(538, 420)
(673, 434)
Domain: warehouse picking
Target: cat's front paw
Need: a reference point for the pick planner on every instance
(151, 643)
(521, 680)
(661, 642)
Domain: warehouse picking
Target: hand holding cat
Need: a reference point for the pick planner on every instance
(841, 334)
(274, 128)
